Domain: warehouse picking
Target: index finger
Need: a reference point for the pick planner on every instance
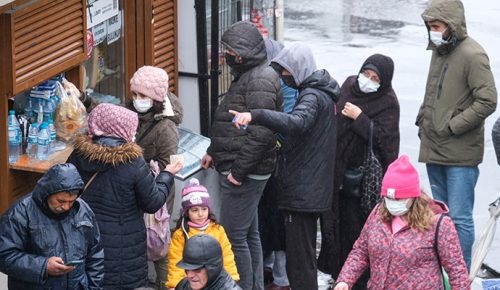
(234, 112)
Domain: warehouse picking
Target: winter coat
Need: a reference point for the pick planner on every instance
(407, 259)
(459, 95)
(381, 108)
(30, 233)
(122, 191)
(176, 274)
(162, 140)
(255, 86)
(306, 162)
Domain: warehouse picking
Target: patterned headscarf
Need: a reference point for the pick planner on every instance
(113, 121)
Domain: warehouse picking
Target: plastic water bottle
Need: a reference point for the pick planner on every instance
(52, 134)
(29, 110)
(14, 137)
(32, 141)
(42, 152)
(39, 111)
(52, 130)
(48, 110)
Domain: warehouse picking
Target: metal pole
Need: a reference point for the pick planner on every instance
(201, 37)
(214, 59)
(279, 20)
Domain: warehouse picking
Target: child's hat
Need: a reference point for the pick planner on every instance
(194, 194)
(401, 180)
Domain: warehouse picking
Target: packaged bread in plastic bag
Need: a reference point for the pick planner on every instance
(70, 116)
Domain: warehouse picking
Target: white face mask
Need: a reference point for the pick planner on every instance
(398, 207)
(366, 85)
(142, 105)
(437, 38)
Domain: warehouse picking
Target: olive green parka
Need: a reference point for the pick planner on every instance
(460, 93)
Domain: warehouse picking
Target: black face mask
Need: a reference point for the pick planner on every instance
(289, 81)
(231, 60)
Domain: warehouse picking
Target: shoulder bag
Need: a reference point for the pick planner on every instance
(371, 182)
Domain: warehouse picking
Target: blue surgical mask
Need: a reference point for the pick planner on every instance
(366, 85)
(398, 207)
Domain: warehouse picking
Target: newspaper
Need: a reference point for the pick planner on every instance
(192, 147)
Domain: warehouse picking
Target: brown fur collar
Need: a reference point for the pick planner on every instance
(109, 155)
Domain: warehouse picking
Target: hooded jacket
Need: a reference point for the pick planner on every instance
(255, 86)
(205, 250)
(406, 259)
(381, 108)
(175, 274)
(123, 189)
(162, 140)
(306, 163)
(459, 95)
(30, 233)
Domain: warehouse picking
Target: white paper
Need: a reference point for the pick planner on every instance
(100, 11)
(99, 32)
(114, 25)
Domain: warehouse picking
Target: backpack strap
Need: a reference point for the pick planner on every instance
(90, 181)
(146, 132)
(436, 236)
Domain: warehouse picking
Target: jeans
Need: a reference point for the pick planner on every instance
(158, 277)
(240, 220)
(454, 185)
(276, 260)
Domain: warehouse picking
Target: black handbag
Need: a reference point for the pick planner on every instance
(371, 183)
(351, 183)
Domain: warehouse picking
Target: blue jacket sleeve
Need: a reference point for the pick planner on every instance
(15, 261)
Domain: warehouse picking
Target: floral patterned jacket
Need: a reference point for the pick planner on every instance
(407, 259)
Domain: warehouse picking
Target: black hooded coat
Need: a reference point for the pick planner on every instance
(307, 158)
(30, 233)
(255, 86)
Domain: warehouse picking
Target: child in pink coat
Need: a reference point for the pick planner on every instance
(398, 241)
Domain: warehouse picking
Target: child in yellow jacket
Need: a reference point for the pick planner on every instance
(197, 218)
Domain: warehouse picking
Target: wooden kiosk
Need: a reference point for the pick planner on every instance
(42, 38)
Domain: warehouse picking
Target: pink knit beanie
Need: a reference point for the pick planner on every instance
(113, 121)
(194, 194)
(150, 81)
(401, 180)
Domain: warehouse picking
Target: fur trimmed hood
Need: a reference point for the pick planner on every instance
(105, 152)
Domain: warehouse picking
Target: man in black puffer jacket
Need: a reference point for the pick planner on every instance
(202, 260)
(246, 158)
(305, 168)
(48, 228)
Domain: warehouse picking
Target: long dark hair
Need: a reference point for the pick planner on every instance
(182, 222)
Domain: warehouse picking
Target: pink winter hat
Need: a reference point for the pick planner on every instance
(401, 180)
(194, 194)
(150, 81)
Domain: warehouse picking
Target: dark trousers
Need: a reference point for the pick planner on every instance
(300, 235)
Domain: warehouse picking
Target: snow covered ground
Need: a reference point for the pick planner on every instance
(343, 33)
